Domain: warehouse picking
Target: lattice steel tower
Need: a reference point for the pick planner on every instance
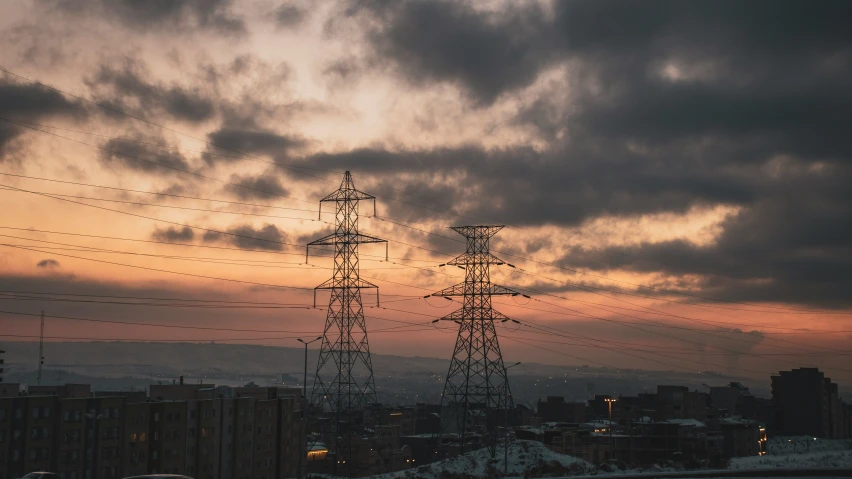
(344, 381)
(477, 385)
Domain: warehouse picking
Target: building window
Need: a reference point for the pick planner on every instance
(47, 412)
(156, 417)
(35, 413)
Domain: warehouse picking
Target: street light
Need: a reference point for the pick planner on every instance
(91, 454)
(609, 401)
(305, 375)
(506, 424)
(302, 442)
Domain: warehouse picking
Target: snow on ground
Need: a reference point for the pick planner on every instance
(800, 452)
(525, 458)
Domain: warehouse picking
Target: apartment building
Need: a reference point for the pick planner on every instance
(199, 430)
(805, 402)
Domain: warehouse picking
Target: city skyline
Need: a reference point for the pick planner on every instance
(621, 144)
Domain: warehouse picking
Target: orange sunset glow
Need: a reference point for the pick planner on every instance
(674, 198)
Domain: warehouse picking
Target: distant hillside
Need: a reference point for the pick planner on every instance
(399, 378)
(187, 358)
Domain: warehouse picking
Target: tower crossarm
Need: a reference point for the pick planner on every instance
(469, 258)
(463, 314)
(352, 238)
(486, 289)
(342, 241)
(344, 283)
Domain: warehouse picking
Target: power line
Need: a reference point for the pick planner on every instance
(171, 195)
(177, 326)
(190, 244)
(174, 272)
(228, 261)
(660, 324)
(698, 343)
(25, 124)
(187, 340)
(672, 350)
(796, 330)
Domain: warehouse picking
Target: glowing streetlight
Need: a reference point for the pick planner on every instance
(609, 402)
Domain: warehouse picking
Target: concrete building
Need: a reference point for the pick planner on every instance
(805, 402)
(555, 409)
(678, 402)
(199, 430)
(742, 438)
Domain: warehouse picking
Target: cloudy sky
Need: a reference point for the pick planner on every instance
(674, 176)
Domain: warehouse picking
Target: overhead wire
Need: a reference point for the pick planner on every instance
(448, 210)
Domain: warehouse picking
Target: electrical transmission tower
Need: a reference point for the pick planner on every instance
(344, 383)
(476, 392)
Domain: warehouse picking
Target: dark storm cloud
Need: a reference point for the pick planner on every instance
(47, 264)
(665, 106)
(126, 86)
(565, 186)
(173, 234)
(176, 16)
(252, 141)
(265, 186)
(143, 154)
(791, 245)
(30, 103)
(450, 41)
(289, 16)
(268, 237)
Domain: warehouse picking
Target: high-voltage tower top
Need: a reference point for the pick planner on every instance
(476, 393)
(344, 379)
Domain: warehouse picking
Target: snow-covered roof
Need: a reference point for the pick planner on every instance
(687, 422)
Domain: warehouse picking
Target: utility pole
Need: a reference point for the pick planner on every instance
(40, 350)
(344, 379)
(477, 384)
(609, 402)
(302, 442)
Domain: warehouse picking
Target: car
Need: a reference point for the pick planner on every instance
(41, 475)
